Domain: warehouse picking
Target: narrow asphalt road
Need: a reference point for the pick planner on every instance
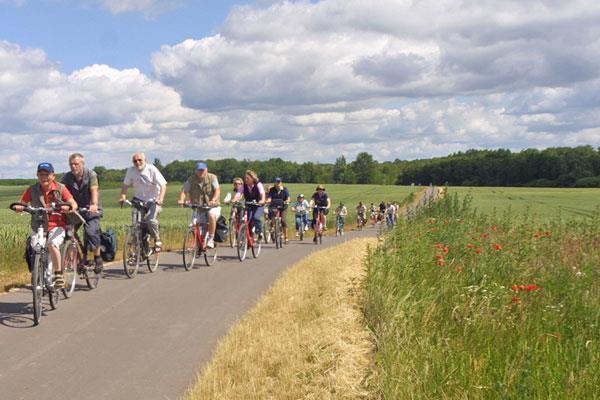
(141, 338)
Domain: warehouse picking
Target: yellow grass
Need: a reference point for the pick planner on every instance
(305, 339)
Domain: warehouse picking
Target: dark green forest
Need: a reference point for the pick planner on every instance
(552, 167)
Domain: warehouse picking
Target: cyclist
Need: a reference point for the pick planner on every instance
(280, 193)
(150, 186)
(300, 206)
(382, 208)
(341, 212)
(390, 211)
(253, 190)
(320, 199)
(83, 185)
(361, 212)
(203, 188)
(42, 194)
(373, 213)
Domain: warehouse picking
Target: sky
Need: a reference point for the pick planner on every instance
(300, 80)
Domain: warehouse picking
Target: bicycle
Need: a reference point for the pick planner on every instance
(137, 248)
(194, 243)
(339, 225)
(276, 229)
(244, 231)
(75, 261)
(41, 268)
(360, 221)
(319, 224)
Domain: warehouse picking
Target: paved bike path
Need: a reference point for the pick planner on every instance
(141, 338)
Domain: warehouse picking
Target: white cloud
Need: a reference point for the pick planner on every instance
(312, 80)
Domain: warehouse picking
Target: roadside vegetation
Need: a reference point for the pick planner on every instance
(305, 339)
(469, 305)
(14, 229)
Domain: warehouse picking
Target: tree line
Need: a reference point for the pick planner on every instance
(552, 167)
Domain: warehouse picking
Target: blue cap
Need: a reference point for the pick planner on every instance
(45, 166)
(200, 166)
(278, 179)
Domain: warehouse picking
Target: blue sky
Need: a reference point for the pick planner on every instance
(297, 79)
(76, 35)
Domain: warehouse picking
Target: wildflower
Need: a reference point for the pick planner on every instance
(497, 246)
(446, 250)
(515, 287)
(494, 228)
(470, 245)
(516, 300)
(531, 288)
(478, 250)
(485, 235)
(458, 269)
(441, 262)
(548, 234)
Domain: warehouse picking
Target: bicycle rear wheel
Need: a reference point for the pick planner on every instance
(131, 254)
(37, 284)
(70, 260)
(242, 242)
(152, 255)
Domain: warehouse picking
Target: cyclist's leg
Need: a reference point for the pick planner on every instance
(92, 241)
(257, 218)
(284, 224)
(56, 236)
(151, 218)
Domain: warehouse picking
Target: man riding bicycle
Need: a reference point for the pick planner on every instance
(300, 206)
(320, 199)
(83, 185)
(279, 198)
(253, 190)
(150, 186)
(203, 189)
(42, 194)
(361, 212)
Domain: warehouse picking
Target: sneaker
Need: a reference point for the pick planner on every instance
(157, 245)
(315, 240)
(58, 280)
(306, 228)
(297, 234)
(210, 243)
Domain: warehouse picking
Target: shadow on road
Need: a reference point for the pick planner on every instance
(16, 315)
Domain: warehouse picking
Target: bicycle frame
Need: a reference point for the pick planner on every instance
(137, 240)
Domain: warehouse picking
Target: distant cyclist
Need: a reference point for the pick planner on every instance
(149, 186)
(42, 194)
(320, 199)
(83, 185)
(202, 188)
(341, 212)
(361, 212)
(279, 193)
(253, 190)
(300, 206)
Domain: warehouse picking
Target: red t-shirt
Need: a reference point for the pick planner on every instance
(54, 219)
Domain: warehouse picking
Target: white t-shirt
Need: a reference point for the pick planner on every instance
(146, 183)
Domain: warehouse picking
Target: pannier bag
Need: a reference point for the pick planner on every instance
(108, 245)
(221, 231)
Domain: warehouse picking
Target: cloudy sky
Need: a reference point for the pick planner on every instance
(300, 80)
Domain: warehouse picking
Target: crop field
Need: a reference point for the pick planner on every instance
(538, 202)
(14, 228)
(468, 305)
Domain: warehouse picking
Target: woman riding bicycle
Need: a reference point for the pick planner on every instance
(279, 198)
(300, 206)
(341, 212)
(253, 190)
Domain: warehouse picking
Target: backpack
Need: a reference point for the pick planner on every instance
(108, 244)
(222, 230)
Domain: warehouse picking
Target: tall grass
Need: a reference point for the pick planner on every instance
(464, 305)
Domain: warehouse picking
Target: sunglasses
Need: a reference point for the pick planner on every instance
(137, 160)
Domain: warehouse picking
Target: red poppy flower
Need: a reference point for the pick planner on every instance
(441, 262)
(478, 250)
(470, 245)
(515, 287)
(446, 249)
(516, 300)
(497, 246)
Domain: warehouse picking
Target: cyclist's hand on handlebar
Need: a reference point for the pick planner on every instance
(180, 203)
(93, 208)
(19, 208)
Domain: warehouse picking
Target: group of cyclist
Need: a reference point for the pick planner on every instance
(78, 192)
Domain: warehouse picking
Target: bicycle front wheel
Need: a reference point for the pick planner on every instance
(232, 235)
(92, 279)
(277, 234)
(190, 249)
(242, 242)
(210, 255)
(256, 246)
(37, 284)
(70, 260)
(131, 254)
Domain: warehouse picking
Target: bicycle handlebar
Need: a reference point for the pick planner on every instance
(202, 207)
(56, 208)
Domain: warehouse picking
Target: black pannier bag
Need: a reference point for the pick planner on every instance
(222, 230)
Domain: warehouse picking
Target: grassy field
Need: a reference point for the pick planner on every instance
(539, 202)
(464, 305)
(15, 228)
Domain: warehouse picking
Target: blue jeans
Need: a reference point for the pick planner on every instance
(255, 214)
(301, 218)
